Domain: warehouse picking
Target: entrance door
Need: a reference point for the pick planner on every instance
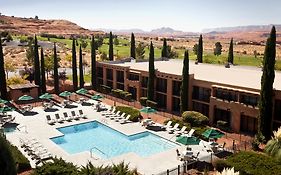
(133, 91)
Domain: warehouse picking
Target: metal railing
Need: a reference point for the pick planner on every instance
(22, 126)
(95, 148)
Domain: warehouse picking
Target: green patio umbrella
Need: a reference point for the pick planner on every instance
(6, 109)
(188, 140)
(65, 94)
(25, 98)
(82, 91)
(46, 96)
(97, 97)
(213, 133)
(148, 110)
(3, 101)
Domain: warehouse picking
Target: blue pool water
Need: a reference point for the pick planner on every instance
(83, 137)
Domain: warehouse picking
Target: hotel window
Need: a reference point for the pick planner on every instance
(201, 94)
(161, 85)
(277, 110)
(143, 93)
(100, 81)
(134, 77)
(176, 88)
(224, 115)
(109, 74)
(200, 107)
(144, 82)
(176, 104)
(248, 124)
(226, 95)
(120, 76)
(161, 100)
(249, 100)
(100, 72)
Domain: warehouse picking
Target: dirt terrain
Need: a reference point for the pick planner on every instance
(31, 26)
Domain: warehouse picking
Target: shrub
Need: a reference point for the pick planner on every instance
(57, 167)
(223, 125)
(23, 163)
(195, 118)
(143, 101)
(135, 114)
(151, 104)
(128, 97)
(249, 162)
(220, 164)
(105, 89)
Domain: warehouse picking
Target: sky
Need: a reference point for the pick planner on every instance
(185, 15)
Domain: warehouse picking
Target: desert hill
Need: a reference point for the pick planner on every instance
(28, 26)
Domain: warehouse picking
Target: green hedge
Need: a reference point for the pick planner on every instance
(20, 159)
(195, 118)
(105, 89)
(135, 114)
(223, 125)
(143, 101)
(252, 163)
(121, 94)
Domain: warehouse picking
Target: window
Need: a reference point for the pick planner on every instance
(176, 88)
(143, 93)
(277, 110)
(144, 82)
(100, 72)
(248, 124)
(161, 85)
(120, 76)
(225, 94)
(134, 77)
(25, 90)
(161, 100)
(200, 107)
(176, 104)
(224, 115)
(201, 94)
(120, 86)
(249, 100)
(100, 81)
(109, 74)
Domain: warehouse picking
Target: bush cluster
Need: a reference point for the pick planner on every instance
(195, 118)
(143, 101)
(223, 125)
(121, 94)
(61, 167)
(251, 163)
(22, 162)
(47, 35)
(105, 89)
(135, 114)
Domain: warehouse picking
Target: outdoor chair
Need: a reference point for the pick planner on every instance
(173, 129)
(113, 115)
(74, 116)
(50, 121)
(81, 114)
(58, 118)
(190, 133)
(66, 117)
(182, 131)
(117, 118)
(108, 112)
(168, 125)
(125, 120)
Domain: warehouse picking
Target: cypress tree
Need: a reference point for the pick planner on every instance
(267, 80)
(7, 162)
(110, 51)
(150, 88)
(56, 74)
(37, 65)
(93, 61)
(230, 52)
(43, 76)
(184, 84)
(74, 66)
(200, 50)
(81, 75)
(133, 46)
(164, 53)
(3, 84)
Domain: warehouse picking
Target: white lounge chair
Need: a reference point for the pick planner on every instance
(190, 133)
(74, 116)
(67, 117)
(81, 114)
(50, 121)
(117, 118)
(58, 118)
(108, 112)
(113, 115)
(125, 120)
(175, 128)
(168, 125)
(182, 130)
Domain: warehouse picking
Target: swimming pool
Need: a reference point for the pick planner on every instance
(109, 142)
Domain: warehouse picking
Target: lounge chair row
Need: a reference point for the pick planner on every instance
(116, 116)
(65, 117)
(35, 150)
(175, 129)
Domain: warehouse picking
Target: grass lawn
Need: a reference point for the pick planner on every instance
(87, 78)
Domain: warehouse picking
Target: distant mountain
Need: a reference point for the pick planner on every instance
(122, 31)
(31, 26)
(250, 28)
(165, 30)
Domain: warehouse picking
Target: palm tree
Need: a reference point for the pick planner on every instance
(273, 146)
(123, 169)
(90, 169)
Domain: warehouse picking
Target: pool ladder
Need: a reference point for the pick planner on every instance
(95, 148)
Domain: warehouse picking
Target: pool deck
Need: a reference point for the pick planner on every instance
(36, 127)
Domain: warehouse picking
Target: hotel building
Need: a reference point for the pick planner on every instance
(228, 94)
